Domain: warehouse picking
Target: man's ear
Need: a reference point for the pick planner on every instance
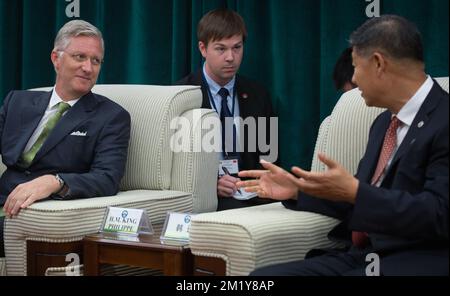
(54, 56)
(202, 48)
(380, 62)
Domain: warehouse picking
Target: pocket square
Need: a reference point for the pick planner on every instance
(79, 134)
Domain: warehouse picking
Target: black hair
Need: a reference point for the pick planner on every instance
(343, 69)
(394, 35)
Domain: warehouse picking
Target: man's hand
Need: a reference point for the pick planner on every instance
(274, 183)
(226, 186)
(27, 193)
(335, 184)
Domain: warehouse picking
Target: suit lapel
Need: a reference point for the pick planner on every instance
(420, 121)
(76, 115)
(198, 80)
(30, 118)
(244, 99)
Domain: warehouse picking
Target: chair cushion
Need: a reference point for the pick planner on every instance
(254, 237)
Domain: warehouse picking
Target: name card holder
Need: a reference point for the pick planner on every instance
(176, 228)
(126, 222)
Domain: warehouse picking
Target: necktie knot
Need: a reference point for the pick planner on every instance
(395, 123)
(224, 93)
(63, 107)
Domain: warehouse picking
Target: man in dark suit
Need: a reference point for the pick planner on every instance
(67, 143)
(221, 34)
(394, 212)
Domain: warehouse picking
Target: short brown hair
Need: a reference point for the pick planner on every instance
(219, 24)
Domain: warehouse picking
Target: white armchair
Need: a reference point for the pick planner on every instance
(235, 242)
(156, 179)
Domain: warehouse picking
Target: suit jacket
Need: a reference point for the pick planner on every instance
(87, 148)
(254, 101)
(407, 217)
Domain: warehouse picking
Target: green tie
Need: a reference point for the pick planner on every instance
(28, 156)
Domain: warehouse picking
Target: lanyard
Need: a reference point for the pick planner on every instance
(211, 98)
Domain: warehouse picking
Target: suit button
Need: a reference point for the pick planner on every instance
(27, 173)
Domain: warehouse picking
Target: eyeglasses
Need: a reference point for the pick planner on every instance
(81, 58)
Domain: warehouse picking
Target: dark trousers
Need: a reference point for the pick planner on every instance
(2, 248)
(332, 263)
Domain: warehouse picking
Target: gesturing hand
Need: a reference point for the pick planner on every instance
(335, 184)
(274, 182)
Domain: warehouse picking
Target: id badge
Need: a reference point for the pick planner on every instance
(230, 165)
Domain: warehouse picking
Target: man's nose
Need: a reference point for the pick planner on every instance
(87, 66)
(229, 55)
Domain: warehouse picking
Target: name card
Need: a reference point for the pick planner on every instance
(176, 227)
(126, 221)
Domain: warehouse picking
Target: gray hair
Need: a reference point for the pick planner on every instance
(76, 28)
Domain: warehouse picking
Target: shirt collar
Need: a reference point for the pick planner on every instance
(408, 112)
(214, 87)
(56, 99)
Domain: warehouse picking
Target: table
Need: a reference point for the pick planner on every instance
(147, 251)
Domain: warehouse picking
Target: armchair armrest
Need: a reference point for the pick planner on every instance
(195, 170)
(254, 237)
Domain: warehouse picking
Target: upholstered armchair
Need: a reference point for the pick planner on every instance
(156, 179)
(235, 242)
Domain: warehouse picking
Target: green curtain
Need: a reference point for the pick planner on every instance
(292, 48)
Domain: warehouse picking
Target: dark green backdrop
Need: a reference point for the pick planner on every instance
(292, 47)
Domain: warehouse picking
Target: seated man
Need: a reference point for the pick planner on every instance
(67, 143)
(221, 34)
(396, 207)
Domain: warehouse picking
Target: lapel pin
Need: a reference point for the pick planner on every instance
(244, 96)
(412, 141)
(420, 124)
